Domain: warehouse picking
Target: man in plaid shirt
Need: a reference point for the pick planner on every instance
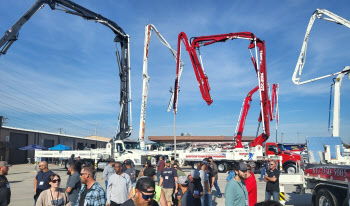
(91, 193)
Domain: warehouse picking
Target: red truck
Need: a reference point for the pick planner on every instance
(289, 159)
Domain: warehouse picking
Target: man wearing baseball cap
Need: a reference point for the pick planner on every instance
(131, 172)
(236, 191)
(195, 186)
(167, 180)
(251, 186)
(206, 198)
(187, 198)
(144, 193)
(5, 191)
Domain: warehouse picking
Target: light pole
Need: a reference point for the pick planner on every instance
(298, 136)
(282, 137)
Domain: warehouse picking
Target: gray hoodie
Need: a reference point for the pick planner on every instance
(107, 172)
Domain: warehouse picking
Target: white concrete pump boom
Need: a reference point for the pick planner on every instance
(319, 13)
(145, 86)
(336, 104)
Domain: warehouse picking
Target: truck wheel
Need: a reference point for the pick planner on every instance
(222, 167)
(290, 169)
(325, 197)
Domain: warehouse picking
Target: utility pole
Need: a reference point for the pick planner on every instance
(282, 137)
(60, 130)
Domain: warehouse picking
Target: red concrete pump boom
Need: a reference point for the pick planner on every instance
(273, 112)
(200, 75)
(243, 115)
(255, 43)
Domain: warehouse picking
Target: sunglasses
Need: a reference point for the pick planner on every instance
(57, 180)
(146, 197)
(81, 174)
(175, 167)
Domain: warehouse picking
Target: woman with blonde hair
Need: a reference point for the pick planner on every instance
(54, 196)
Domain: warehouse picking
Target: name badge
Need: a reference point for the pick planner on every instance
(41, 183)
(8, 186)
(166, 177)
(246, 202)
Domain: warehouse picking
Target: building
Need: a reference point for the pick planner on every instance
(13, 138)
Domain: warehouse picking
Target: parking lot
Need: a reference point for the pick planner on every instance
(21, 178)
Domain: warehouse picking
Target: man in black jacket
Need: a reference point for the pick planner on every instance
(195, 186)
(5, 191)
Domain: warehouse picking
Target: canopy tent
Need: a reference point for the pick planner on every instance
(60, 147)
(32, 147)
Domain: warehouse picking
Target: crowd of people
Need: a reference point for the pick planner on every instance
(124, 187)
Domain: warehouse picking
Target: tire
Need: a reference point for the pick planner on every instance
(222, 167)
(290, 169)
(325, 197)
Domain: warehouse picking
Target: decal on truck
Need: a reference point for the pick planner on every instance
(222, 155)
(250, 156)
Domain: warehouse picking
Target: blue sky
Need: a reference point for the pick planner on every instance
(62, 72)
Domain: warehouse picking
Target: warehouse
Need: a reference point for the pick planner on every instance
(13, 138)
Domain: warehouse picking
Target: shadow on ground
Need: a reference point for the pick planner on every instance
(300, 200)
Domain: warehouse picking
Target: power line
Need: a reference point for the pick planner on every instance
(33, 91)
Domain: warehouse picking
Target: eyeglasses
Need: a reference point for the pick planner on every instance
(56, 180)
(175, 167)
(81, 174)
(146, 197)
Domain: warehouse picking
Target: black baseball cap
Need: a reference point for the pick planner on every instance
(240, 166)
(204, 163)
(145, 184)
(128, 162)
(149, 172)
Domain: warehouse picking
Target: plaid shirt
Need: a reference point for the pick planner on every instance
(94, 197)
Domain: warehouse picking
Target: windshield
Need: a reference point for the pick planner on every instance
(281, 147)
(132, 145)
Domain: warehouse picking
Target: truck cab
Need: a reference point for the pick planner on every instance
(129, 150)
(289, 159)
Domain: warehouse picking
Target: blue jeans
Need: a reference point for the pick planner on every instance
(106, 182)
(158, 175)
(206, 200)
(217, 187)
(75, 203)
(263, 170)
(275, 195)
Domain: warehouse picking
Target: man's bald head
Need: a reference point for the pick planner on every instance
(43, 166)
